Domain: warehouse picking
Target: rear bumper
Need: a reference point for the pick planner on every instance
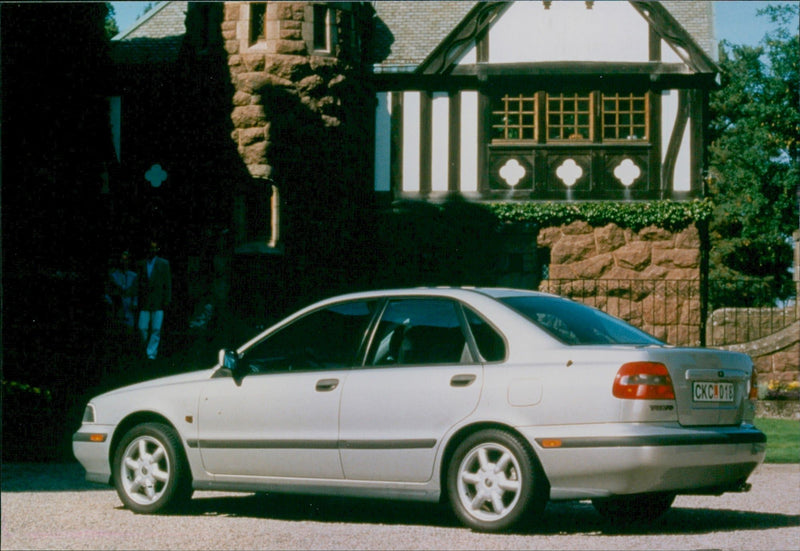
(639, 458)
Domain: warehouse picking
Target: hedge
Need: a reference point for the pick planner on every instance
(669, 215)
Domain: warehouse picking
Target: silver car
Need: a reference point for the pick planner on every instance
(497, 400)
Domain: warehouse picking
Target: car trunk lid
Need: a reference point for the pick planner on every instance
(711, 386)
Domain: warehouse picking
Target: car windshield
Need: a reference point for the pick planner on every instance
(576, 324)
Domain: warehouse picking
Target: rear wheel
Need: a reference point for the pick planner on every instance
(493, 480)
(150, 470)
(627, 510)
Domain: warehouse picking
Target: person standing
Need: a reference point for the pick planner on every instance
(155, 294)
(122, 291)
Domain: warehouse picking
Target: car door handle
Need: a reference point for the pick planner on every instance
(326, 385)
(462, 380)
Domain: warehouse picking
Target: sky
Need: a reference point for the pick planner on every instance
(735, 21)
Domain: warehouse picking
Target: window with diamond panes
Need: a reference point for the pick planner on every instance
(514, 118)
(625, 117)
(569, 117)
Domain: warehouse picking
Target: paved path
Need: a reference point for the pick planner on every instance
(50, 506)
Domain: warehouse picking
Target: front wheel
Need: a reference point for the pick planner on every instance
(150, 470)
(633, 509)
(493, 480)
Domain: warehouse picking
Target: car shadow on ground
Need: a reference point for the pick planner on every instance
(557, 519)
(563, 518)
(47, 477)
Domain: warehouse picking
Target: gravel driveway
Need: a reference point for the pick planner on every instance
(49, 506)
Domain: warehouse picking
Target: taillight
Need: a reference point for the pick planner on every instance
(753, 394)
(643, 381)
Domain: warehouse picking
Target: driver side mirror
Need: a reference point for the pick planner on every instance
(229, 359)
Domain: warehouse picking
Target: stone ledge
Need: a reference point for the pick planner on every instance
(778, 409)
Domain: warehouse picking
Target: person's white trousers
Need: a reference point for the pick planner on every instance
(150, 327)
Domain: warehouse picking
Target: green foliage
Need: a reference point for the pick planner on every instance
(456, 242)
(670, 215)
(111, 27)
(754, 162)
(26, 390)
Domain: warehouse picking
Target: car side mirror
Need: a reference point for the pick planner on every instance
(229, 359)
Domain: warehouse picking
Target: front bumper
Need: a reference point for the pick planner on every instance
(91, 445)
(636, 458)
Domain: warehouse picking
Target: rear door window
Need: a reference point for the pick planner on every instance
(419, 332)
(491, 344)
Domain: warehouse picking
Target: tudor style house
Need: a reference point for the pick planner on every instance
(286, 110)
(542, 100)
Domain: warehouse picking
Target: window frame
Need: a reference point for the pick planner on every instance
(359, 351)
(476, 357)
(562, 112)
(261, 12)
(645, 112)
(477, 352)
(322, 27)
(520, 114)
(540, 135)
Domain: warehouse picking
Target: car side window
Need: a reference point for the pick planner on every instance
(326, 339)
(491, 345)
(419, 332)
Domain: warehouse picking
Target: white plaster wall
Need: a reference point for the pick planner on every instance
(469, 142)
(669, 55)
(470, 57)
(440, 157)
(683, 163)
(568, 31)
(669, 113)
(383, 113)
(411, 141)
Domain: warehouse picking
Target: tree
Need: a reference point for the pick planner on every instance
(112, 29)
(754, 160)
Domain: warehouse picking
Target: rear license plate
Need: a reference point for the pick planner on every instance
(712, 392)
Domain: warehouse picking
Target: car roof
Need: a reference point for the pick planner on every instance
(454, 292)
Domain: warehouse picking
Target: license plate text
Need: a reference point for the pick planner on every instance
(712, 392)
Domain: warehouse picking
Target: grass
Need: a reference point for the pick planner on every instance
(783, 439)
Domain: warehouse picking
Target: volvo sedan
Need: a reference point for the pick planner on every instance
(494, 400)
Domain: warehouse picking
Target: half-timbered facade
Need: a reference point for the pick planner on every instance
(541, 100)
(314, 108)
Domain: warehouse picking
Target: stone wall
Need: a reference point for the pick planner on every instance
(650, 278)
(776, 357)
(283, 61)
(298, 113)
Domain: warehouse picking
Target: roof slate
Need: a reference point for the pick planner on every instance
(407, 31)
(155, 38)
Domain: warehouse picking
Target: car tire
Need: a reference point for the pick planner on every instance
(634, 509)
(493, 480)
(150, 471)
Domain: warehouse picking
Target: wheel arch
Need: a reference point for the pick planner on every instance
(131, 421)
(467, 431)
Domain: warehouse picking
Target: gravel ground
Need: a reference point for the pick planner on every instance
(50, 506)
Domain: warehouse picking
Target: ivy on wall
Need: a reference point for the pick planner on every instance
(669, 215)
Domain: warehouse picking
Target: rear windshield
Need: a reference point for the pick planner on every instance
(574, 323)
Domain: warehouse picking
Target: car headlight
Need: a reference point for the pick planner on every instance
(89, 414)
